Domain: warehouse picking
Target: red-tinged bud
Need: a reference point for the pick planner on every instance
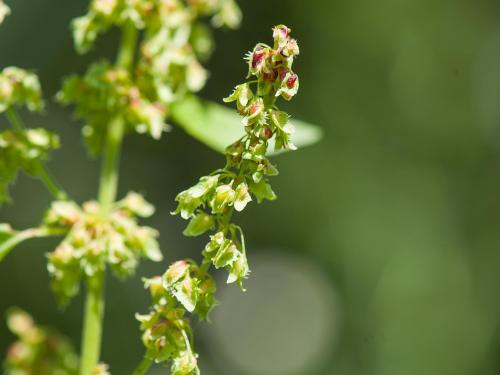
(280, 35)
(266, 132)
(258, 59)
(175, 272)
(280, 31)
(269, 77)
(282, 73)
(159, 106)
(255, 108)
(292, 80)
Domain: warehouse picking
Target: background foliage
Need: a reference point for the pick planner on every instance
(381, 255)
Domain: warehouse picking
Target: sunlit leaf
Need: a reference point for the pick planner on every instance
(218, 126)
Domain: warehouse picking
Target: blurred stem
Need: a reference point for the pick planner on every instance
(108, 186)
(92, 332)
(143, 366)
(41, 170)
(18, 237)
(111, 159)
(116, 129)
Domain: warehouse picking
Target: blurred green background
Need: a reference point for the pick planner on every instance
(382, 255)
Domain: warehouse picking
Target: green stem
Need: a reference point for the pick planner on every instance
(18, 237)
(41, 171)
(204, 268)
(143, 366)
(126, 53)
(116, 128)
(108, 186)
(92, 332)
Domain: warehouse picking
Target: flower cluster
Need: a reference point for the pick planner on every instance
(23, 149)
(209, 205)
(19, 87)
(147, 14)
(167, 334)
(38, 350)
(168, 64)
(220, 193)
(272, 68)
(105, 92)
(95, 240)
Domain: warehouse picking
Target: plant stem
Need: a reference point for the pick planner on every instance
(108, 186)
(111, 159)
(143, 366)
(116, 128)
(41, 171)
(18, 237)
(92, 332)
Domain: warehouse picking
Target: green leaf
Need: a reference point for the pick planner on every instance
(199, 224)
(218, 126)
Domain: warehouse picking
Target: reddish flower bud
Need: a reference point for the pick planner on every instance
(257, 59)
(292, 80)
(266, 132)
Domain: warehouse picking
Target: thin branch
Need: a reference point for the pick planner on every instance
(42, 172)
(18, 237)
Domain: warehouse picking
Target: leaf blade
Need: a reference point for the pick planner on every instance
(218, 126)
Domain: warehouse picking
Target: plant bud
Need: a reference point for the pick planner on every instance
(199, 224)
(224, 197)
(104, 7)
(242, 197)
(266, 132)
(184, 363)
(280, 35)
(155, 286)
(136, 204)
(255, 112)
(175, 272)
(239, 270)
(226, 255)
(291, 48)
(258, 59)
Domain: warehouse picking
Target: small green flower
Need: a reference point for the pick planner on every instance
(280, 36)
(199, 224)
(239, 270)
(224, 197)
(23, 150)
(258, 60)
(242, 197)
(228, 14)
(242, 95)
(93, 242)
(38, 350)
(262, 190)
(184, 363)
(255, 113)
(4, 11)
(206, 298)
(136, 205)
(20, 87)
